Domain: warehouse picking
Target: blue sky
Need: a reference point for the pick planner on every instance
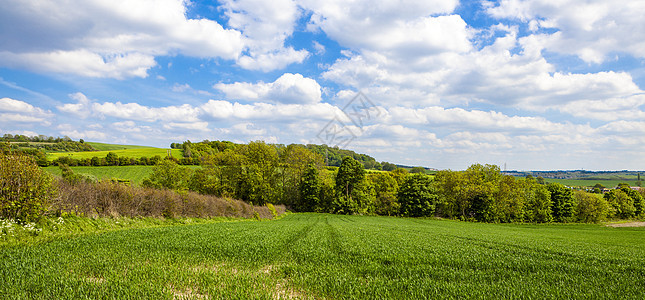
(534, 84)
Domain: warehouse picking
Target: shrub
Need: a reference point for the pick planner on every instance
(25, 189)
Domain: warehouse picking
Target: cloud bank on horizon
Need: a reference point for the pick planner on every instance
(532, 84)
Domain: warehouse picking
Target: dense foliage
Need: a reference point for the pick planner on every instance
(294, 176)
(25, 189)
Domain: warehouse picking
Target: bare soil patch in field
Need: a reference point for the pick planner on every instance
(630, 224)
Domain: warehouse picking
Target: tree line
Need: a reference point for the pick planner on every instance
(297, 177)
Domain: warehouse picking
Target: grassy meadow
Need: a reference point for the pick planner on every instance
(125, 151)
(111, 147)
(135, 174)
(333, 256)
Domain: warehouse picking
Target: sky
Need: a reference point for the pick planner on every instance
(523, 84)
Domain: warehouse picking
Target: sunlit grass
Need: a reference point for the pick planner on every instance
(135, 174)
(333, 256)
(131, 153)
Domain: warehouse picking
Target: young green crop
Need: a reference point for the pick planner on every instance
(123, 152)
(334, 256)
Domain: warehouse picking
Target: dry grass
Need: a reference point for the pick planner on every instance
(107, 199)
(630, 224)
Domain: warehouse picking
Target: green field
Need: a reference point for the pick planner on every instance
(125, 151)
(109, 147)
(608, 183)
(333, 256)
(136, 174)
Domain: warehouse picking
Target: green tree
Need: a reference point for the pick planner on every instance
(111, 159)
(295, 160)
(310, 188)
(590, 208)
(351, 189)
(25, 188)
(418, 170)
(637, 198)
(385, 191)
(386, 166)
(620, 204)
(260, 174)
(563, 204)
(399, 174)
(537, 199)
(168, 174)
(451, 187)
(417, 196)
(509, 204)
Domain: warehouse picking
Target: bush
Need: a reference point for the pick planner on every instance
(25, 189)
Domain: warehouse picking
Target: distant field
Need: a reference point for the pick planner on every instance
(136, 174)
(135, 152)
(319, 256)
(591, 182)
(108, 147)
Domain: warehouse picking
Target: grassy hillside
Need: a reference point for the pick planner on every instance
(124, 151)
(334, 256)
(110, 147)
(136, 174)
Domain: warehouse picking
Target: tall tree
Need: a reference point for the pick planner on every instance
(417, 196)
(260, 175)
(563, 203)
(385, 192)
(310, 187)
(351, 190)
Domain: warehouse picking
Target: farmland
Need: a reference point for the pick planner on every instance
(126, 151)
(333, 256)
(135, 174)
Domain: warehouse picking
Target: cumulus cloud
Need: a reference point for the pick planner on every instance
(404, 28)
(509, 72)
(288, 88)
(265, 25)
(115, 39)
(592, 30)
(12, 110)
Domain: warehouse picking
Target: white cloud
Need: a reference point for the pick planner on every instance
(509, 72)
(12, 110)
(223, 110)
(116, 39)
(320, 49)
(288, 88)
(592, 30)
(135, 111)
(265, 25)
(198, 126)
(85, 134)
(180, 88)
(406, 28)
(80, 109)
(272, 60)
(126, 126)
